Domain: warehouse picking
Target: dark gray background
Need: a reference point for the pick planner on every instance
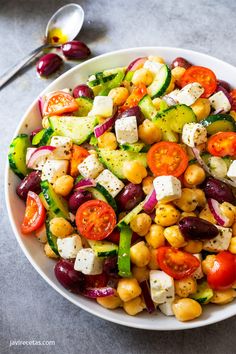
(30, 309)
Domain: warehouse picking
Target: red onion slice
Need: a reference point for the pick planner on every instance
(147, 297)
(150, 202)
(93, 293)
(221, 88)
(214, 207)
(136, 64)
(102, 128)
(85, 183)
(39, 156)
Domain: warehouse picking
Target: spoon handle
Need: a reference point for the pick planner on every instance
(14, 69)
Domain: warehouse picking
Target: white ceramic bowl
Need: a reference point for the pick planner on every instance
(34, 250)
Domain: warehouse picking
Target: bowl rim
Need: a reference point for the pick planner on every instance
(182, 325)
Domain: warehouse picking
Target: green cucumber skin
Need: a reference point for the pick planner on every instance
(161, 89)
(53, 199)
(45, 138)
(52, 240)
(136, 147)
(99, 192)
(203, 294)
(18, 166)
(147, 107)
(104, 249)
(226, 119)
(124, 252)
(106, 81)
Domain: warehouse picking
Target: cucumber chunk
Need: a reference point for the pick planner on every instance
(147, 107)
(219, 123)
(128, 218)
(52, 239)
(136, 147)
(57, 204)
(99, 192)
(103, 248)
(106, 80)
(17, 155)
(161, 83)
(43, 137)
(203, 294)
(85, 105)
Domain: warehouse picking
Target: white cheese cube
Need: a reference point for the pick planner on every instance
(109, 181)
(194, 134)
(220, 101)
(166, 308)
(152, 66)
(63, 147)
(87, 262)
(90, 167)
(161, 287)
(53, 169)
(29, 152)
(232, 171)
(41, 234)
(68, 247)
(198, 274)
(190, 93)
(173, 95)
(102, 106)
(220, 242)
(167, 188)
(126, 130)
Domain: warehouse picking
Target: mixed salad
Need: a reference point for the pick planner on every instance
(130, 184)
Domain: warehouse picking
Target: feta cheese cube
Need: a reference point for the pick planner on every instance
(194, 134)
(63, 147)
(232, 171)
(220, 242)
(166, 308)
(161, 287)
(167, 188)
(190, 93)
(198, 274)
(53, 169)
(173, 95)
(87, 262)
(220, 101)
(152, 66)
(90, 167)
(126, 130)
(29, 152)
(102, 106)
(68, 247)
(109, 181)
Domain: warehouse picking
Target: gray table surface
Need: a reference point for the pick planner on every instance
(30, 309)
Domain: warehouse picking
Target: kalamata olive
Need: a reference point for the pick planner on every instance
(224, 84)
(68, 277)
(48, 64)
(110, 266)
(134, 111)
(223, 89)
(180, 62)
(30, 183)
(83, 91)
(33, 133)
(78, 198)
(195, 228)
(75, 50)
(218, 190)
(130, 196)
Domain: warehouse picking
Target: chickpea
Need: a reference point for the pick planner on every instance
(156, 59)
(222, 297)
(171, 86)
(185, 214)
(228, 210)
(153, 265)
(194, 175)
(140, 254)
(60, 227)
(232, 245)
(234, 229)
(49, 252)
(193, 246)
(148, 132)
(207, 263)
(174, 236)
(155, 237)
(187, 201)
(233, 114)
(63, 185)
(140, 273)
(185, 287)
(110, 302)
(157, 103)
(207, 215)
(128, 289)
(107, 141)
(186, 309)
(134, 171)
(143, 76)
(166, 215)
(201, 108)
(177, 73)
(134, 306)
(141, 224)
(147, 184)
(45, 123)
(119, 95)
(200, 196)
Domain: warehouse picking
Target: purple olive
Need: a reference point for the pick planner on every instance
(134, 111)
(48, 64)
(75, 50)
(223, 89)
(110, 266)
(224, 84)
(77, 199)
(195, 228)
(30, 183)
(33, 133)
(218, 190)
(130, 196)
(68, 277)
(180, 62)
(83, 91)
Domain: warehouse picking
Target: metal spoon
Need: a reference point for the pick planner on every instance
(68, 20)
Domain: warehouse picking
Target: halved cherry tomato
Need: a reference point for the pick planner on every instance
(137, 94)
(203, 76)
(59, 103)
(95, 219)
(34, 214)
(223, 273)
(233, 96)
(167, 158)
(222, 144)
(176, 263)
(78, 155)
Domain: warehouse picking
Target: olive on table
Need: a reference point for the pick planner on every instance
(133, 111)
(30, 183)
(220, 191)
(130, 196)
(180, 62)
(75, 50)
(83, 90)
(194, 228)
(78, 198)
(68, 277)
(48, 64)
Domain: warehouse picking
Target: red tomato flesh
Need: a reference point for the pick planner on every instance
(223, 273)
(222, 144)
(59, 103)
(34, 214)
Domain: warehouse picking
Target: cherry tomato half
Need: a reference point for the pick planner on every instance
(222, 144)
(59, 103)
(233, 97)
(203, 76)
(223, 273)
(176, 263)
(34, 214)
(95, 219)
(166, 158)
(137, 94)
